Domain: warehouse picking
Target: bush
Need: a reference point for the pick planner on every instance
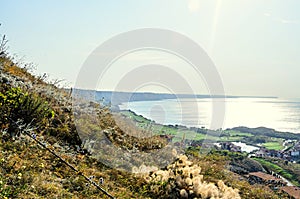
(182, 179)
(17, 105)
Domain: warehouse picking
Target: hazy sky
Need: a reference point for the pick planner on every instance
(255, 44)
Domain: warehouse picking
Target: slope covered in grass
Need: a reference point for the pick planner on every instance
(33, 110)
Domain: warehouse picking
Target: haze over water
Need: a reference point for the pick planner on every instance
(276, 113)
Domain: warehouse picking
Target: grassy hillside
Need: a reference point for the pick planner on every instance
(288, 170)
(43, 156)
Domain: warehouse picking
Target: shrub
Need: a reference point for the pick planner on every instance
(182, 179)
(18, 105)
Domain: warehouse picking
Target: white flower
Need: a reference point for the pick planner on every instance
(183, 194)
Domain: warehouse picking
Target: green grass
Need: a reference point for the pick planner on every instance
(238, 133)
(135, 117)
(273, 145)
(233, 136)
(195, 136)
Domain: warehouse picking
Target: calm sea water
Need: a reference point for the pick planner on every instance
(279, 114)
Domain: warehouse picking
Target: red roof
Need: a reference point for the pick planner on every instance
(264, 176)
(292, 191)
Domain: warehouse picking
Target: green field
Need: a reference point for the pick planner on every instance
(238, 133)
(233, 136)
(273, 145)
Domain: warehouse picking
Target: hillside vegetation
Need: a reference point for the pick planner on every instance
(43, 156)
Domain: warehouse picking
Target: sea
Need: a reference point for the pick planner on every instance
(276, 113)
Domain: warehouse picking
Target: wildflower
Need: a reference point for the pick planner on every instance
(189, 181)
(33, 136)
(19, 175)
(183, 193)
(196, 171)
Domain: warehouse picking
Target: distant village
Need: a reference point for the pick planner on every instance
(290, 155)
(272, 180)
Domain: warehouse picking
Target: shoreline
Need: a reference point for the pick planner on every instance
(194, 127)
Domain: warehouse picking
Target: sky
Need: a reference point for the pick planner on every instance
(254, 44)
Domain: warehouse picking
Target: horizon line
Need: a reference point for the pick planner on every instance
(159, 93)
